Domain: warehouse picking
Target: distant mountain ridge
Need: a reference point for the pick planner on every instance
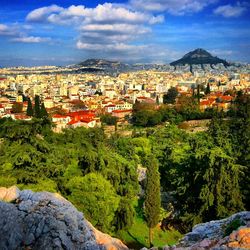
(199, 56)
(100, 63)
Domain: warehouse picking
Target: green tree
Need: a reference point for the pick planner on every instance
(96, 197)
(157, 100)
(188, 107)
(240, 132)
(207, 90)
(109, 119)
(171, 95)
(152, 196)
(43, 111)
(29, 111)
(198, 93)
(124, 216)
(17, 107)
(37, 108)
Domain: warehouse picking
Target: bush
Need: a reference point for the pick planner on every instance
(233, 225)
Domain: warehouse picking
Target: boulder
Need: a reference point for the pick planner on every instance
(47, 221)
(214, 230)
(213, 234)
(9, 194)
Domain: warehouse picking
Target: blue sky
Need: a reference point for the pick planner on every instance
(62, 32)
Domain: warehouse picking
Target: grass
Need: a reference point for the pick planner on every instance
(137, 236)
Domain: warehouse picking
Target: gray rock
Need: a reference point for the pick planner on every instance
(211, 235)
(47, 221)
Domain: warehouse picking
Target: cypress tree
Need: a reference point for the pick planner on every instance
(43, 111)
(152, 196)
(198, 93)
(157, 100)
(37, 108)
(29, 111)
(207, 91)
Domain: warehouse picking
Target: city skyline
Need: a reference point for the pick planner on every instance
(60, 33)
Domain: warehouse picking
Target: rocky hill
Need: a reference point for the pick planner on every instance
(199, 56)
(99, 63)
(102, 65)
(47, 221)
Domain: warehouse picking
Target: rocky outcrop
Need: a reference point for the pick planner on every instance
(240, 238)
(44, 220)
(230, 233)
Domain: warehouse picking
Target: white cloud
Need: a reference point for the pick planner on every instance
(118, 47)
(119, 28)
(230, 10)
(222, 52)
(39, 14)
(174, 7)
(104, 13)
(129, 53)
(6, 30)
(3, 27)
(31, 39)
(108, 27)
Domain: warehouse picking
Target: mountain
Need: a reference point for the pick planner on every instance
(100, 63)
(92, 65)
(199, 56)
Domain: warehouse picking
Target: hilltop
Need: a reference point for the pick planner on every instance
(199, 56)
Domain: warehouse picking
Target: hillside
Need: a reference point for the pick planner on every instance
(199, 56)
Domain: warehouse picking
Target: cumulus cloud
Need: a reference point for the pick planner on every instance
(230, 10)
(107, 27)
(31, 39)
(6, 30)
(40, 14)
(174, 7)
(106, 12)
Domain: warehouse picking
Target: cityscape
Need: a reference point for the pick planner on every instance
(125, 124)
(114, 88)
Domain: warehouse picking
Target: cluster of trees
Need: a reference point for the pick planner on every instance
(207, 173)
(185, 108)
(39, 110)
(80, 164)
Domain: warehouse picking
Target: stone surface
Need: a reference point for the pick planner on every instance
(211, 235)
(47, 221)
(240, 238)
(9, 194)
(214, 229)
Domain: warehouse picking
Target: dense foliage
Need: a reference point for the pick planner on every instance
(205, 174)
(152, 196)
